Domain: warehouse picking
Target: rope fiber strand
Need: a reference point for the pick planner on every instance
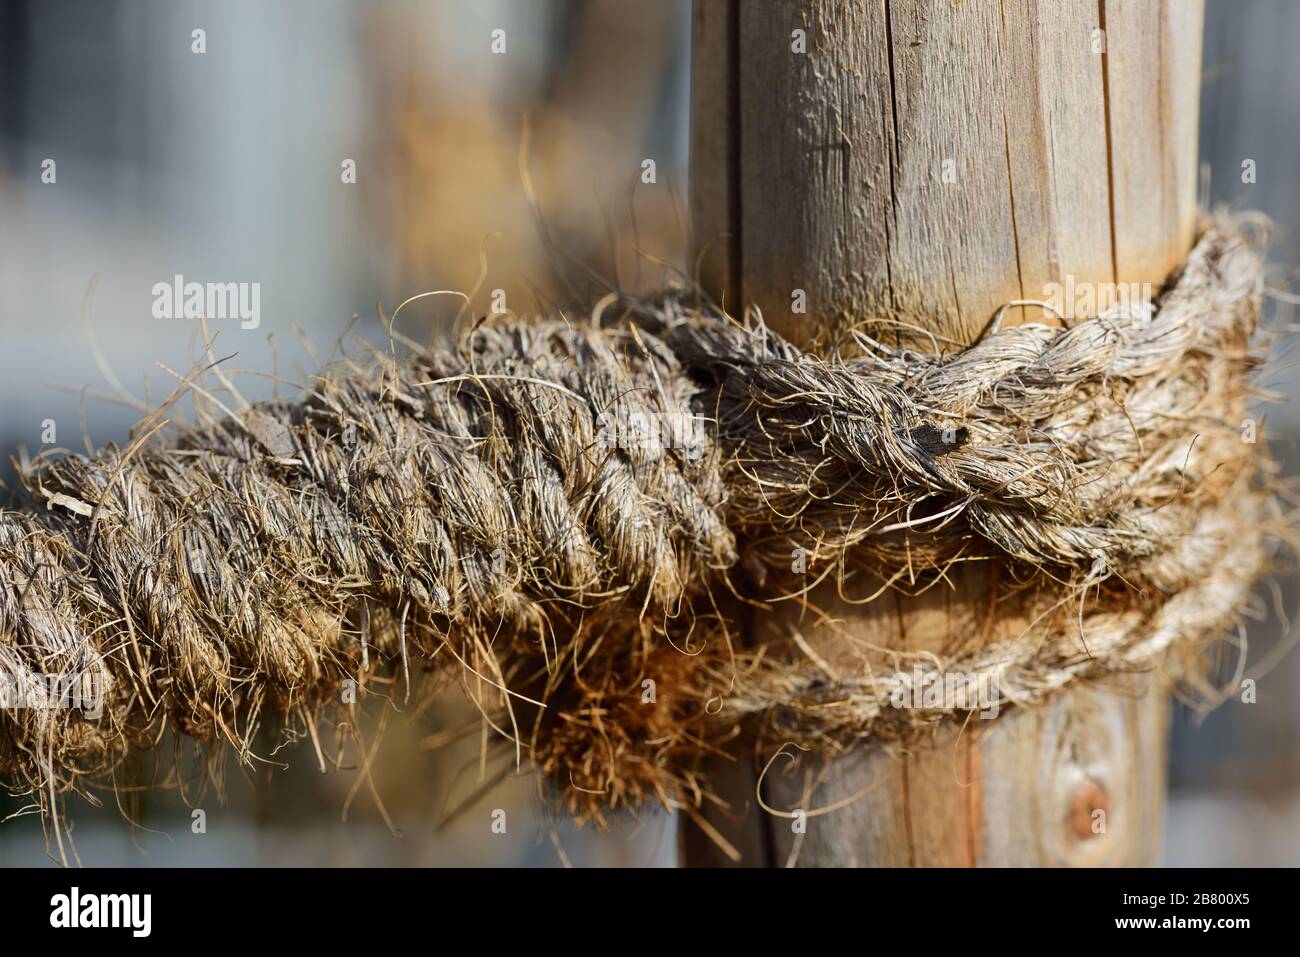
(561, 515)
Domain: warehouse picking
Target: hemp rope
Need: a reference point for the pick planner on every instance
(465, 513)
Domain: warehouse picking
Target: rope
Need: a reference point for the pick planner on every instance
(566, 517)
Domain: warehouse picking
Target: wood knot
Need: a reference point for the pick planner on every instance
(1088, 809)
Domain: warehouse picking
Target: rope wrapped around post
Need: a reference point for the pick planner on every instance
(563, 514)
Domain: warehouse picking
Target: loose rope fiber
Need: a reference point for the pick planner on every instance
(489, 512)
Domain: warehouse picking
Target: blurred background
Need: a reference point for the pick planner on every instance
(503, 164)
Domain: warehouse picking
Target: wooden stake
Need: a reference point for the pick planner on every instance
(933, 160)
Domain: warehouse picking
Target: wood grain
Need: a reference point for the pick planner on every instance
(933, 160)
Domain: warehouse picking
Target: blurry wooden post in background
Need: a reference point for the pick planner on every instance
(933, 160)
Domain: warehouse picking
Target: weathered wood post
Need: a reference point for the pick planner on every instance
(933, 160)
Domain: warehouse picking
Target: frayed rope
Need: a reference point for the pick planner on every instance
(561, 515)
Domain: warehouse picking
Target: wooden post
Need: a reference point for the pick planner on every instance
(934, 159)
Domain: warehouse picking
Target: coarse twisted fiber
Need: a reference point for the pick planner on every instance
(460, 495)
(496, 511)
(1066, 447)
(805, 699)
